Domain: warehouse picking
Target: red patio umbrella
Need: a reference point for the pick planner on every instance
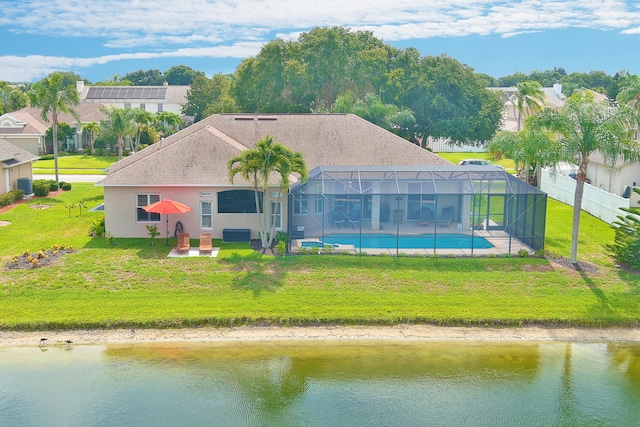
(166, 207)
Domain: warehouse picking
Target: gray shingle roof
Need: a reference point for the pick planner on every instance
(11, 155)
(198, 155)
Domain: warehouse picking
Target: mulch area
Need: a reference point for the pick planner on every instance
(586, 267)
(42, 258)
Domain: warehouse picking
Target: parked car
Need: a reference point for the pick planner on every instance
(474, 162)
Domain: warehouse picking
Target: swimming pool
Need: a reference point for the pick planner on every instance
(391, 241)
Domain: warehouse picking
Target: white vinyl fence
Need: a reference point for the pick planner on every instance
(596, 201)
(441, 145)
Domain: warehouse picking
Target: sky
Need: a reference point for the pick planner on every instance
(100, 39)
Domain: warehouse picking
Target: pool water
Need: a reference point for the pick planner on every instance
(391, 241)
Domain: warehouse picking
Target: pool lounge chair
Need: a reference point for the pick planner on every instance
(205, 243)
(183, 243)
(426, 216)
(446, 216)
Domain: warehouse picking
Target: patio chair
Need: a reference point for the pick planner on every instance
(183, 243)
(205, 243)
(354, 218)
(338, 218)
(426, 216)
(446, 216)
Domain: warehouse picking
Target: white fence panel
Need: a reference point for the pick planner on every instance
(441, 145)
(597, 202)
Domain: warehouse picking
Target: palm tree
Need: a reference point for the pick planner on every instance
(168, 122)
(527, 100)
(585, 126)
(91, 129)
(267, 160)
(119, 123)
(53, 98)
(141, 118)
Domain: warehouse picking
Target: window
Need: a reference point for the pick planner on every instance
(416, 201)
(319, 204)
(143, 107)
(238, 201)
(127, 105)
(206, 215)
(160, 108)
(275, 211)
(301, 205)
(145, 200)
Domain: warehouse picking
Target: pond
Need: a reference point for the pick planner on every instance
(322, 383)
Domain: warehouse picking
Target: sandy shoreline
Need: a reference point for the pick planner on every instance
(257, 333)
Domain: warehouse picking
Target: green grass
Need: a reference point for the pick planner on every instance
(134, 284)
(75, 164)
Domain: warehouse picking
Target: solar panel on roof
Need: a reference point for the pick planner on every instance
(130, 92)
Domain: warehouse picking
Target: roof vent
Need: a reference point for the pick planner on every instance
(243, 117)
(267, 118)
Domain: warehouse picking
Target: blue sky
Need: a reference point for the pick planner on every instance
(101, 38)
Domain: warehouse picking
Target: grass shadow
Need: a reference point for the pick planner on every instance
(259, 278)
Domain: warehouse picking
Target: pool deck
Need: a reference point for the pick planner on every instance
(499, 239)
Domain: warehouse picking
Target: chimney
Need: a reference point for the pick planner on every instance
(557, 88)
(80, 86)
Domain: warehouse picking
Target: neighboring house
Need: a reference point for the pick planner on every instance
(16, 165)
(26, 128)
(553, 99)
(155, 99)
(374, 179)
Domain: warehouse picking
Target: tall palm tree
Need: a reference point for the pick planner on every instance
(528, 99)
(141, 118)
(258, 166)
(53, 98)
(168, 122)
(118, 125)
(584, 126)
(91, 130)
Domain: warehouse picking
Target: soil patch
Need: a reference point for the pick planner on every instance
(256, 245)
(586, 267)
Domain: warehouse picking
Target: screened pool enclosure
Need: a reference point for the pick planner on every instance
(431, 209)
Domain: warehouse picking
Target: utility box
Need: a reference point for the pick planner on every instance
(236, 235)
(26, 185)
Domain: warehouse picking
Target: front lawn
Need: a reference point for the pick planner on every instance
(132, 283)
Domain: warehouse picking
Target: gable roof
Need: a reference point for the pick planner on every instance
(11, 155)
(198, 155)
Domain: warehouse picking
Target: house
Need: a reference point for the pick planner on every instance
(154, 99)
(27, 129)
(16, 167)
(362, 177)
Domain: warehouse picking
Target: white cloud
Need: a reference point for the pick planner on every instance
(237, 28)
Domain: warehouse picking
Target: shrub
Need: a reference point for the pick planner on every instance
(46, 157)
(97, 228)
(10, 197)
(625, 249)
(523, 253)
(41, 187)
(65, 186)
(281, 247)
(53, 186)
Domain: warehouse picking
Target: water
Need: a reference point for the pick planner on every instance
(391, 241)
(455, 383)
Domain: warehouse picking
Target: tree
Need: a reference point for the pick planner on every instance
(118, 125)
(528, 99)
(531, 149)
(205, 92)
(625, 249)
(168, 122)
(141, 119)
(583, 127)
(181, 75)
(145, 78)
(11, 98)
(53, 98)
(91, 130)
(259, 166)
(65, 132)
